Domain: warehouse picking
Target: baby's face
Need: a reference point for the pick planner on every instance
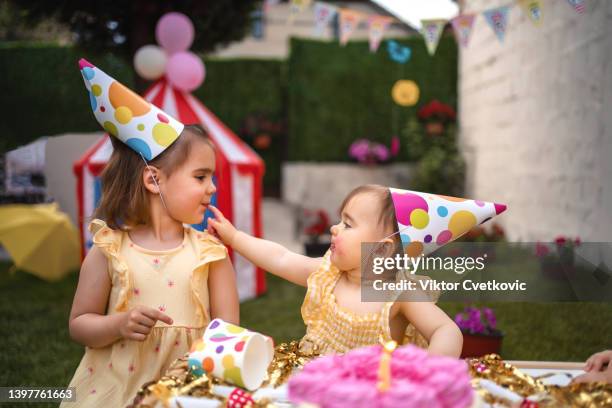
(190, 187)
(358, 223)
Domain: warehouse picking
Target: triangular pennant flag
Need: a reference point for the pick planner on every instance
(498, 20)
(533, 8)
(349, 20)
(296, 7)
(323, 14)
(124, 114)
(432, 31)
(376, 30)
(428, 221)
(578, 5)
(462, 27)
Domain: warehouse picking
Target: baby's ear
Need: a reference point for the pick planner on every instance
(388, 246)
(151, 177)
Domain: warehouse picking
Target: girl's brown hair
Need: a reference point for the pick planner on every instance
(125, 199)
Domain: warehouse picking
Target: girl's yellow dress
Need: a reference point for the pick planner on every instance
(173, 281)
(333, 329)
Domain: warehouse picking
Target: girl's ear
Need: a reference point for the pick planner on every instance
(151, 177)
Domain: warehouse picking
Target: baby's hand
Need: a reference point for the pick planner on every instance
(136, 324)
(221, 227)
(598, 360)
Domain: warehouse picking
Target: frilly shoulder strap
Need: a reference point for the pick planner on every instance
(109, 242)
(319, 284)
(209, 248)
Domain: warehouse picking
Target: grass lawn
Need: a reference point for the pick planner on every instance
(37, 350)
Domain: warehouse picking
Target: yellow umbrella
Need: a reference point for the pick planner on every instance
(40, 239)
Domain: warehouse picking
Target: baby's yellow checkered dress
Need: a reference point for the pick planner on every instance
(333, 329)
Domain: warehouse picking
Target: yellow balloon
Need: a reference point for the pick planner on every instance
(405, 92)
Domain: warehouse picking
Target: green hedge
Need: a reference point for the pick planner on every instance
(42, 92)
(340, 94)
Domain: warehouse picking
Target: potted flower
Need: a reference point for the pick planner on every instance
(436, 115)
(557, 260)
(368, 152)
(316, 226)
(480, 334)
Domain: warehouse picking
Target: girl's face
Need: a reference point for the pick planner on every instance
(189, 189)
(358, 223)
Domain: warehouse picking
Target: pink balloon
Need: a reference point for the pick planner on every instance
(174, 32)
(185, 71)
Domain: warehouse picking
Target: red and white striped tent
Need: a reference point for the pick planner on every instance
(239, 173)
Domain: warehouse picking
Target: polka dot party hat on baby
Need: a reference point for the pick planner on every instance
(428, 221)
(126, 115)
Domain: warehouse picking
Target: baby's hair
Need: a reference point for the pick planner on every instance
(124, 201)
(386, 215)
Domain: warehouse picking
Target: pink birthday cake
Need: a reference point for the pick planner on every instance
(416, 379)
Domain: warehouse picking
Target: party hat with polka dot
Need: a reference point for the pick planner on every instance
(428, 221)
(126, 115)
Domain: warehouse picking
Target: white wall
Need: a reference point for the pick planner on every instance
(536, 123)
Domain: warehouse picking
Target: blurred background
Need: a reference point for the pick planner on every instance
(504, 101)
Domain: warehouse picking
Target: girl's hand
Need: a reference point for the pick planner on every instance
(136, 324)
(221, 227)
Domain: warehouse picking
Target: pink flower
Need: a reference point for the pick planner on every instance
(560, 240)
(541, 250)
(161, 308)
(395, 145)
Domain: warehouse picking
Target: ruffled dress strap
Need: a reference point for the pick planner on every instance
(320, 284)
(208, 249)
(109, 241)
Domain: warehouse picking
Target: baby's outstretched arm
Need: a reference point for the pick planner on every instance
(89, 324)
(267, 255)
(444, 336)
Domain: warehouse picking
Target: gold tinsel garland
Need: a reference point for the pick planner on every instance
(179, 381)
(287, 356)
(582, 395)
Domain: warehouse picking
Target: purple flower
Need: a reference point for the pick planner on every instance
(490, 316)
(380, 152)
(365, 151)
(474, 320)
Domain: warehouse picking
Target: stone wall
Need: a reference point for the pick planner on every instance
(535, 119)
(324, 185)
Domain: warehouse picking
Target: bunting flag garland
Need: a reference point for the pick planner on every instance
(432, 31)
(533, 8)
(349, 20)
(398, 52)
(323, 15)
(462, 27)
(498, 20)
(376, 29)
(578, 5)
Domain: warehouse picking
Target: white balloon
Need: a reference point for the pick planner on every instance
(150, 62)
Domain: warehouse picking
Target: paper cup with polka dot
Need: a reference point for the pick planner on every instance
(427, 221)
(126, 115)
(233, 354)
